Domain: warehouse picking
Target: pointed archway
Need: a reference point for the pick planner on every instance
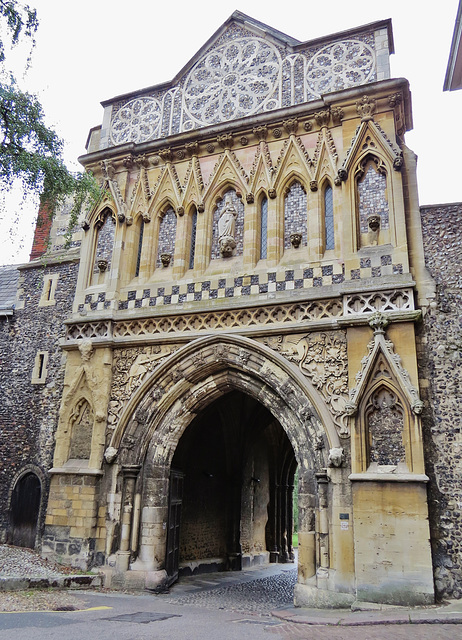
(171, 399)
(236, 466)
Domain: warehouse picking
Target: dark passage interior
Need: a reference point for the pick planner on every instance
(237, 468)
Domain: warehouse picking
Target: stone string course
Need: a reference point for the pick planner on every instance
(440, 360)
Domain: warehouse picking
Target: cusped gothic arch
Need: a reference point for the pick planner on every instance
(227, 174)
(198, 373)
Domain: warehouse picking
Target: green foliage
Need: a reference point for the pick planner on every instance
(19, 21)
(30, 151)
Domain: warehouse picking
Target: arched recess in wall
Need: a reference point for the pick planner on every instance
(384, 416)
(166, 237)
(295, 214)
(138, 244)
(372, 201)
(104, 228)
(81, 422)
(228, 225)
(25, 507)
(384, 422)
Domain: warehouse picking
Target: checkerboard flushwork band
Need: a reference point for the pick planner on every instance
(252, 285)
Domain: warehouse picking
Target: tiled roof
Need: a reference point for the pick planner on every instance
(9, 275)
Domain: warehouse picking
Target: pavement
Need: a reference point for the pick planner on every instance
(266, 591)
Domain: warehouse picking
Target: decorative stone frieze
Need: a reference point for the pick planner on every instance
(366, 108)
(322, 118)
(129, 370)
(397, 300)
(321, 357)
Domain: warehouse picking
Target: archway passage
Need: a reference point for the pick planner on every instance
(24, 511)
(238, 468)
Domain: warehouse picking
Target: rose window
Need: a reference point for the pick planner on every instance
(137, 121)
(232, 81)
(339, 66)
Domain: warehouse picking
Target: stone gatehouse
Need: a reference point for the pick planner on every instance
(247, 306)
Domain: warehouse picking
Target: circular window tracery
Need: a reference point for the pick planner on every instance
(232, 81)
(136, 121)
(339, 66)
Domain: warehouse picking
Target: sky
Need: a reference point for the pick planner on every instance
(92, 50)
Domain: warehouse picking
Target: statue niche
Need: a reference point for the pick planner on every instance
(227, 228)
(385, 423)
(81, 422)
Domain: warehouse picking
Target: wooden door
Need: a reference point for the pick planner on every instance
(173, 525)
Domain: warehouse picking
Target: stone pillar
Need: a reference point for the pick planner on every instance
(272, 517)
(130, 473)
(322, 527)
(153, 520)
(283, 543)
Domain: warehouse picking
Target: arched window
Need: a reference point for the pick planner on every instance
(329, 236)
(140, 247)
(192, 246)
(167, 235)
(263, 228)
(295, 216)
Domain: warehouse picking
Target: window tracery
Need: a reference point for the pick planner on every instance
(329, 234)
(263, 228)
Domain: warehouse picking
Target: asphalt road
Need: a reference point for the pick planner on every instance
(142, 617)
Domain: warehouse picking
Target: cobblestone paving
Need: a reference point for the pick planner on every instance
(262, 594)
(17, 562)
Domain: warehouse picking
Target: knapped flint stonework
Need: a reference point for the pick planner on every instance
(440, 360)
(29, 412)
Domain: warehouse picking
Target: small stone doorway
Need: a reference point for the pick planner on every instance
(24, 511)
(238, 467)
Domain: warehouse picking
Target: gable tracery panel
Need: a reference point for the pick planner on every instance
(242, 75)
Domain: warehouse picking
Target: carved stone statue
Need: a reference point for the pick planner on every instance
(226, 228)
(336, 457)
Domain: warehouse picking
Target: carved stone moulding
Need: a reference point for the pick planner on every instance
(394, 300)
(296, 239)
(231, 319)
(102, 264)
(165, 258)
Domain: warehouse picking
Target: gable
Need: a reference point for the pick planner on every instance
(246, 69)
